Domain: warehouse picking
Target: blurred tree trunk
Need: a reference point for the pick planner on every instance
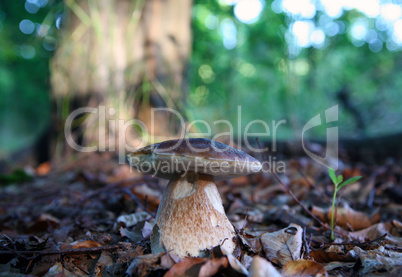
(130, 55)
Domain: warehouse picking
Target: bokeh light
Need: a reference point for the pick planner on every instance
(248, 11)
(229, 33)
(27, 26)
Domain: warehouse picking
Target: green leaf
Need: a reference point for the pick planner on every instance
(339, 179)
(332, 175)
(349, 181)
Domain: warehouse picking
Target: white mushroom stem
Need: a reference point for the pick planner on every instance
(191, 218)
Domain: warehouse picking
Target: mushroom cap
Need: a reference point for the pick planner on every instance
(198, 155)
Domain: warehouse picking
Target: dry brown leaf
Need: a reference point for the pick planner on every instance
(378, 261)
(260, 267)
(187, 267)
(322, 256)
(212, 267)
(377, 231)
(203, 267)
(236, 265)
(168, 260)
(44, 222)
(333, 265)
(43, 169)
(104, 261)
(86, 244)
(347, 217)
(121, 173)
(148, 194)
(303, 268)
(128, 251)
(143, 265)
(59, 271)
(284, 245)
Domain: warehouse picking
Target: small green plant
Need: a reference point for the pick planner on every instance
(338, 182)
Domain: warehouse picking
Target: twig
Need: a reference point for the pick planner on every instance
(36, 254)
(294, 196)
(138, 202)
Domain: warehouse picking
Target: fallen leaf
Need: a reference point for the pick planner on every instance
(169, 259)
(147, 229)
(44, 223)
(135, 235)
(284, 245)
(142, 265)
(378, 260)
(129, 220)
(347, 217)
(322, 256)
(86, 244)
(237, 265)
(212, 267)
(260, 267)
(103, 262)
(43, 169)
(59, 271)
(148, 194)
(301, 268)
(377, 231)
(127, 252)
(332, 265)
(187, 267)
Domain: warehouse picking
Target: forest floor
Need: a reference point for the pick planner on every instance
(92, 216)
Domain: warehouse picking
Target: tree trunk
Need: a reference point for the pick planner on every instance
(129, 55)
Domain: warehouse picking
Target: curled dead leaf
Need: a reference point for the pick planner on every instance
(377, 231)
(187, 267)
(284, 245)
(322, 256)
(260, 267)
(86, 244)
(303, 268)
(347, 217)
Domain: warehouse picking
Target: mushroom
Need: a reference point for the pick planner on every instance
(191, 218)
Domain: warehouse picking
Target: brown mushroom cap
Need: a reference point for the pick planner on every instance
(193, 155)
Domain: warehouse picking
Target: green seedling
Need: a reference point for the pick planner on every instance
(338, 182)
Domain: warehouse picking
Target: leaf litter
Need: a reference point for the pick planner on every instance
(93, 217)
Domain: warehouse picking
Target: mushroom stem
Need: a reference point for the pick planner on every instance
(191, 218)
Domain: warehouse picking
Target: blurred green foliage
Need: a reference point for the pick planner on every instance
(269, 83)
(24, 76)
